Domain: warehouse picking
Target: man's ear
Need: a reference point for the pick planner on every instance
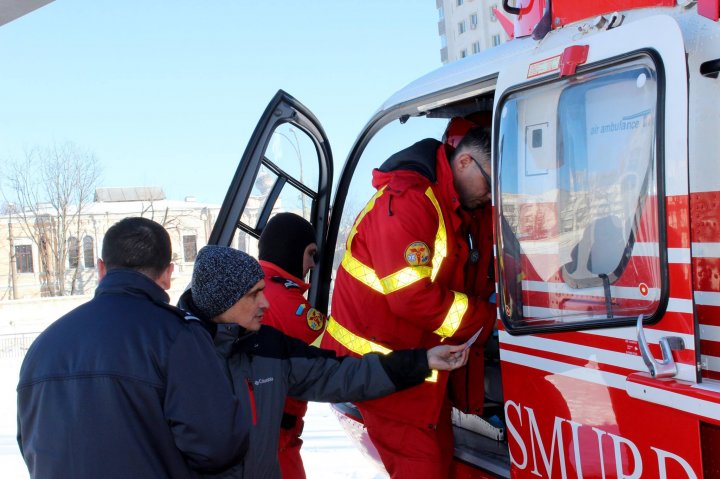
(463, 161)
(102, 271)
(165, 279)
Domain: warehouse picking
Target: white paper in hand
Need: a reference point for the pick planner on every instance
(472, 339)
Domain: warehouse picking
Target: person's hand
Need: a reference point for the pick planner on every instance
(447, 357)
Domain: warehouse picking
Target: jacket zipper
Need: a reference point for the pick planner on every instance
(251, 392)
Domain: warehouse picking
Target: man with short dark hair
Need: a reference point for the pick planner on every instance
(127, 385)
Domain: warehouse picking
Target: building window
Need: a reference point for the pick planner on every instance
(473, 20)
(493, 18)
(441, 12)
(476, 47)
(23, 258)
(73, 252)
(459, 2)
(189, 247)
(88, 252)
(462, 27)
(463, 53)
(496, 40)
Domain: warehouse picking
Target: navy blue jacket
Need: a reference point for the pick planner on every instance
(128, 386)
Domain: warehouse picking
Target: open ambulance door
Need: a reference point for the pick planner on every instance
(598, 341)
(287, 167)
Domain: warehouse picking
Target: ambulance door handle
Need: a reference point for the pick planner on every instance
(659, 369)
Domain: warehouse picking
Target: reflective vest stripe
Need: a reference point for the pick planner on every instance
(351, 341)
(390, 283)
(360, 345)
(452, 320)
(440, 251)
(362, 214)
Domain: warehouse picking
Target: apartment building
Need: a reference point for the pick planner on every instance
(467, 27)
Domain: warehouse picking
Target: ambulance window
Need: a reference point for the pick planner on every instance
(578, 234)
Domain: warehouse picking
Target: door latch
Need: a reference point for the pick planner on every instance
(666, 368)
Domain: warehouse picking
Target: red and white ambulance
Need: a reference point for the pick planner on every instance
(606, 193)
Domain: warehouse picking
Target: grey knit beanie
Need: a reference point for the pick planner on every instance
(222, 276)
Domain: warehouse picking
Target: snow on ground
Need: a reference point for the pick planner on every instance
(11, 463)
(327, 452)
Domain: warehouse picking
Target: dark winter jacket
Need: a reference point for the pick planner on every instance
(268, 365)
(127, 386)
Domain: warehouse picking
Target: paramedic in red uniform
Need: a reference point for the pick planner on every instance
(418, 271)
(287, 252)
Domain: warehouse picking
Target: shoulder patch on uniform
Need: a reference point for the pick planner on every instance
(288, 283)
(417, 254)
(315, 319)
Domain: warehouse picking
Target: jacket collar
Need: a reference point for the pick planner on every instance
(225, 335)
(272, 270)
(429, 159)
(127, 281)
(445, 179)
(419, 157)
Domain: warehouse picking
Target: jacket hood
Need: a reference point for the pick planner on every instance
(419, 157)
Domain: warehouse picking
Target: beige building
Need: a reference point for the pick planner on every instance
(467, 27)
(25, 262)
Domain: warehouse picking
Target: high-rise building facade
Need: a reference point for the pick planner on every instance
(467, 27)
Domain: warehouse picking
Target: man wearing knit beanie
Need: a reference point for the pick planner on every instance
(221, 278)
(227, 295)
(287, 253)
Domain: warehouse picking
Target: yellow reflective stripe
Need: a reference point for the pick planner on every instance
(440, 250)
(405, 277)
(390, 283)
(362, 273)
(360, 345)
(362, 214)
(454, 316)
(351, 341)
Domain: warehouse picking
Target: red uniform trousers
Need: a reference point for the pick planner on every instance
(291, 464)
(409, 451)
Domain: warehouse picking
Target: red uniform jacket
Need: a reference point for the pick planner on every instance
(401, 230)
(291, 313)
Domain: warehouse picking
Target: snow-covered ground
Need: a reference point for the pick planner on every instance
(327, 452)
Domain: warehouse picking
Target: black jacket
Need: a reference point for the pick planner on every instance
(268, 366)
(127, 386)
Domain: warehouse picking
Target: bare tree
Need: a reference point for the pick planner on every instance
(50, 188)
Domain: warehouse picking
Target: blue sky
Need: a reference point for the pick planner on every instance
(168, 92)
